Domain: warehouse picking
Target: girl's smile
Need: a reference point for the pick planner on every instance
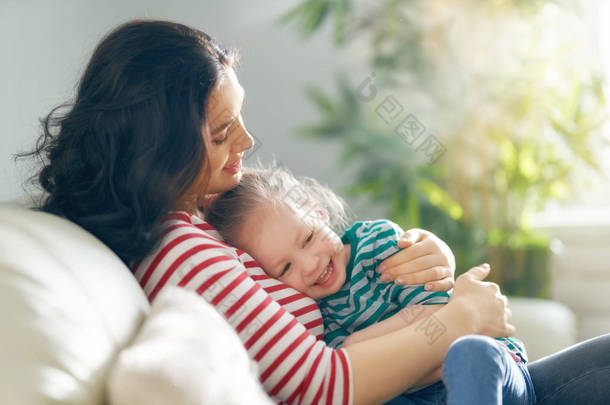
(300, 250)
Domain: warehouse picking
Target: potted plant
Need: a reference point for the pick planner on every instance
(472, 116)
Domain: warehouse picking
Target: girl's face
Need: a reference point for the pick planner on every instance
(301, 251)
(226, 140)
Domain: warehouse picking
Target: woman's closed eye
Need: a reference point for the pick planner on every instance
(225, 133)
(220, 141)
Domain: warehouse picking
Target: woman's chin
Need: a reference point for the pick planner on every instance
(227, 182)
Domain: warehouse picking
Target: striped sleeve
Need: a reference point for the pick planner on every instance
(377, 240)
(294, 366)
(515, 347)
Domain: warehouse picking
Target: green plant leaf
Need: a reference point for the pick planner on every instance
(309, 15)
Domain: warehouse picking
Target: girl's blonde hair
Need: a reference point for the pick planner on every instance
(273, 185)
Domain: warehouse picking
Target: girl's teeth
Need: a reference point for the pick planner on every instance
(324, 277)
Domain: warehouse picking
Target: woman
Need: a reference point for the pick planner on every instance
(154, 130)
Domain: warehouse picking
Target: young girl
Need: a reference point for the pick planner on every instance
(287, 224)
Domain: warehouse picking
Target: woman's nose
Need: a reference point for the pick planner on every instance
(244, 141)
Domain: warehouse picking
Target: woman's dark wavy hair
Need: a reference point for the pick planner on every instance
(117, 159)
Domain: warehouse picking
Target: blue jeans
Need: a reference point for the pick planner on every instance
(577, 375)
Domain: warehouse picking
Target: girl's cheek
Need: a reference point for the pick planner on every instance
(295, 282)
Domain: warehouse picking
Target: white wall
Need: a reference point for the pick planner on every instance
(581, 272)
(46, 44)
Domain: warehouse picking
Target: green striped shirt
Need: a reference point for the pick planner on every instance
(364, 299)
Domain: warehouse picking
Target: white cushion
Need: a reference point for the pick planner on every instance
(544, 326)
(187, 354)
(68, 305)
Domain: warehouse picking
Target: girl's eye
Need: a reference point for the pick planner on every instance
(285, 269)
(309, 238)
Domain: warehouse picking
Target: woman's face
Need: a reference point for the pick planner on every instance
(227, 136)
(226, 140)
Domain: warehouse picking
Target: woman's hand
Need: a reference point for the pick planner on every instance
(484, 304)
(425, 259)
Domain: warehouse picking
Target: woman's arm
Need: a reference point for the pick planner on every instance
(293, 365)
(385, 366)
(407, 316)
(402, 318)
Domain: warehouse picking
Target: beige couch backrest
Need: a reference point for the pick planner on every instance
(67, 306)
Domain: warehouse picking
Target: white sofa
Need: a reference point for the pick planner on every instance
(70, 310)
(68, 306)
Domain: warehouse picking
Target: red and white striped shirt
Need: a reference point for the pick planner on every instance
(280, 327)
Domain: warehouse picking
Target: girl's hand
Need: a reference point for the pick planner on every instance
(484, 304)
(424, 259)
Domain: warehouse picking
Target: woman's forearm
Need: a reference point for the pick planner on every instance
(434, 376)
(402, 318)
(385, 366)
